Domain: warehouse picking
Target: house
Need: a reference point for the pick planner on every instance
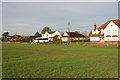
(69, 36)
(51, 35)
(15, 37)
(108, 32)
(48, 36)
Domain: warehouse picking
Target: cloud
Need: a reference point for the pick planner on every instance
(22, 16)
(60, 0)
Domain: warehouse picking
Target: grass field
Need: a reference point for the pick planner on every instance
(59, 61)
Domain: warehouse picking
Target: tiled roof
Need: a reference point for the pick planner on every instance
(97, 35)
(54, 36)
(74, 34)
(51, 32)
(114, 36)
(108, 36)
(117, 22)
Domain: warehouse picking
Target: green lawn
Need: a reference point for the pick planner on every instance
(59, 61)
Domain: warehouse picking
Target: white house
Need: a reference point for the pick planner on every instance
(108, 32)
(70, 36)
(48, 36)
(51, 35)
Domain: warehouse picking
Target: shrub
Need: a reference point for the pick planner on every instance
(81, 40)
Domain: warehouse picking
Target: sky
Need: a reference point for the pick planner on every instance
(26, 18)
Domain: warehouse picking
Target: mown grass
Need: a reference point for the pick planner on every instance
(59, 61)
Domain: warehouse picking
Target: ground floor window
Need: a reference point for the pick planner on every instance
(111, 38)
(94, 38)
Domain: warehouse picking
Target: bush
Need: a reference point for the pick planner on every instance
(56, 41)
(27, 40)
(81, 40)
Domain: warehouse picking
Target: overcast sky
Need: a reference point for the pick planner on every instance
(26, 18)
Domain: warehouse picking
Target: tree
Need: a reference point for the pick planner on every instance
(45, 29)
(37, 34)
(5, 35)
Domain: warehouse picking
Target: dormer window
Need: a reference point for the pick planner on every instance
(108, 31)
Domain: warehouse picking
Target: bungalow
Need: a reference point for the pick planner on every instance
(48, 36)
(69, 36)
(108, 32)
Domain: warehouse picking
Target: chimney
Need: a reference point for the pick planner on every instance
(95, 26)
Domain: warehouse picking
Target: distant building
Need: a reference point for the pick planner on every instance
(15, 37)
(48, 36)
(108, 32)
(69, 36)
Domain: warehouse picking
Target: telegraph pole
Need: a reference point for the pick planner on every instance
(69, 32)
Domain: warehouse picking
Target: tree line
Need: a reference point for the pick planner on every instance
(6, 35)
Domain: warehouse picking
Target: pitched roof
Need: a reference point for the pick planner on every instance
(51, 32)
(74, 34)
(100, 35)
(114, 36)
(108, 36)
(117, 22)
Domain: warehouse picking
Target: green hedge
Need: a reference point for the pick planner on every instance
(81, 40)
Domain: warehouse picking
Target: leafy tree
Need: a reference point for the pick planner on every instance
(5, 35)
(45, 29)
(37, 34)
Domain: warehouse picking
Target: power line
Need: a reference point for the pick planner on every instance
(87, 26)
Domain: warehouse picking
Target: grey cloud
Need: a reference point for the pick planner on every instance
(55, 14)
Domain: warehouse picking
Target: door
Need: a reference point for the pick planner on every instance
(102, 39)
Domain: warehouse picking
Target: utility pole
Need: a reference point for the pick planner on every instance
(69, 32)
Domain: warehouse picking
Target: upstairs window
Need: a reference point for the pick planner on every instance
(108, 31)
(46, 35)
(114, 31)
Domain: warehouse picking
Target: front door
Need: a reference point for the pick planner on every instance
(102, 39)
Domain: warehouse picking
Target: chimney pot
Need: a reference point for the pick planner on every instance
(95, 26)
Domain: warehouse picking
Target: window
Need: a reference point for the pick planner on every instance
(76, 38)
(46, 35)
(108, 31)
(114, 31)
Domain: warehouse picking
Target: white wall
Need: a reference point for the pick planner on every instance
(64, 39)
(40, 41)
(47, 35)
(65, 34)
(57, 33)
(111, 27)
(111, 39)
(95, 31)
(94, 39)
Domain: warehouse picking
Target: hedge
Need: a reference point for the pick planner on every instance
(81, 40)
